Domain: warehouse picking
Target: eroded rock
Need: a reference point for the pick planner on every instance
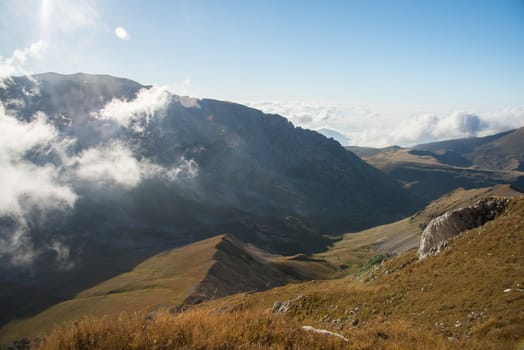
(451, 223)
(281, 307)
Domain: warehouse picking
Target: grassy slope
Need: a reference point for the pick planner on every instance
(215, 267)
(169, 277)
(470, 163)
(454, 300)
(354, 249)
(165, 279)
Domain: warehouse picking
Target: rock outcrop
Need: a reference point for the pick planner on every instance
(238, 267)
(453, 222)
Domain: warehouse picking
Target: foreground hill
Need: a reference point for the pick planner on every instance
(356, 248)
(110, 172)
(208, 269)
(224, 265)
(469, 296)
(434, 169)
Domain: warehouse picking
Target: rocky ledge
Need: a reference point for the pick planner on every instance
(453, 222)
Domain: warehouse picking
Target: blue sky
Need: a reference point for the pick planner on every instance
(390, 62)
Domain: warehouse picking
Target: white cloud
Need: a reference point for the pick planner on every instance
(22, 180)
(30, 182)
(63, 257)
(508, 118)
(340, 118)
(365, 127)
(121, 33)
(16, 244)
(184, 169)
(183, 87)
(111, 163)
(138, 112)
(14, 65)
(114, 163)
(26, 185)
(39, 171)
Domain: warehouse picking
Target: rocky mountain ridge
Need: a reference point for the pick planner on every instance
(433, 169)
(127, 171)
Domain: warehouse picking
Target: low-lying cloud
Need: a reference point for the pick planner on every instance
(115, 164)
(110, 163)
(136, 113)
(23, 180)
(42, 173)
(27, 186)
(364, 127)
(15, 64)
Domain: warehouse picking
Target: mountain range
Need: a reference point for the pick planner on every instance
(122, 171)
(433, 169)
(123, 197)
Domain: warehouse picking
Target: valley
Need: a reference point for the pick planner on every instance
(469, 295)
(173, 214)
(433, 169)
(222, 269)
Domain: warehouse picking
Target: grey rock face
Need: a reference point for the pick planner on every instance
(281, 307)
(439, 230)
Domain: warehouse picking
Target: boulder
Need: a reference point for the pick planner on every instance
(451, 223)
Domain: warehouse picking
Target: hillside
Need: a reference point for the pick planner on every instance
(356, 248)
(208, 269)
(433, 169)
(469, 296)
(224, 265)
(504, 151)
(188, 156)
(249, 164)
(110, 172)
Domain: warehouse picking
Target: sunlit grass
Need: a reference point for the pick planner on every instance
(455, 300)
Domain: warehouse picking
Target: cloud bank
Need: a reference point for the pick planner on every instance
(27, 186)
(15, 64)
(365, 127)
(137, 113)
(43, 174)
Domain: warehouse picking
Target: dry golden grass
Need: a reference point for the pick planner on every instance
(455, 300)
(164, 279)
(258, 329)
(355, 249)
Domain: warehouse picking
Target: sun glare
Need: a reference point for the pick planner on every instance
(121, 33)
(45, 12)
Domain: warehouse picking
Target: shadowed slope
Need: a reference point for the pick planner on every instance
(433, 169)
(198, 167)
(216, 267)
(354, 249)
(469, 296)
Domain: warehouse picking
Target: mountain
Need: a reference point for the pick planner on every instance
(223, 265)
(354, 249)
(503, 151)
(469, 296)
(335, 135)
(433, 169)
(216, 267)
(249, 163)
(110, 172)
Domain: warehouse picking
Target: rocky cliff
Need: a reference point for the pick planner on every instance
(453, 222)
